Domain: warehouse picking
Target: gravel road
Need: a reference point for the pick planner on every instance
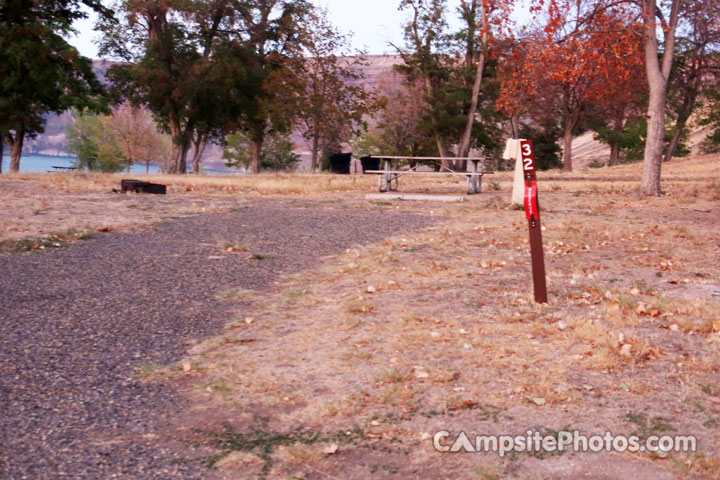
(76, 323)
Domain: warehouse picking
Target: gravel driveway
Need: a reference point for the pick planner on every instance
(76, 323)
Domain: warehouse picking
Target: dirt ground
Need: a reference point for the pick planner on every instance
(347, 371)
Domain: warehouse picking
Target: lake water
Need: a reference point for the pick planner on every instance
(45, 163)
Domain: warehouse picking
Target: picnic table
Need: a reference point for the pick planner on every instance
(389, 177)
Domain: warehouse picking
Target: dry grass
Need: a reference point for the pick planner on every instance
(437, 330)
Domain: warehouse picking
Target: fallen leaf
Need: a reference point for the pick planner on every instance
(330, 449)
(539, 401)
(626, 350)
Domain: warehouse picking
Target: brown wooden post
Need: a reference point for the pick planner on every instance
(532, 212)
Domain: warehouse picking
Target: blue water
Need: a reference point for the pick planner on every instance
(45, 163)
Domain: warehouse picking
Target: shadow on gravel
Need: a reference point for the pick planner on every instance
(76, 323)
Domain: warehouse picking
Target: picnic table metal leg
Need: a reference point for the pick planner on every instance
(475, 177)
(390, 177)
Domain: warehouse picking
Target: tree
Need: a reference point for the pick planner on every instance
(663, 24)
(452, 68)
(90, 142)
(133, 131)
(399, 128)
(271, 33)
(334, 102)
(696, 70)
(574, 70)
(276, 156)
(182, 63)
(41, 73)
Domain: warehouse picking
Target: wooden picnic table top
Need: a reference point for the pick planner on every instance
(386, 157)
(415, 172)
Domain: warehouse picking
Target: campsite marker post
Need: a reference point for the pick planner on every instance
(532, 213)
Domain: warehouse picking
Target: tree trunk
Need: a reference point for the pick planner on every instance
(652, 163)
(182, 164)
(674, 141)
(567, 147)
(197, 155)
(515, 124)
(16, 147)
(464, 148)
(614, 155)
(657, 76)
(174, 126)
(2, 144)
(256, 155)
(444, 152)
(315, 150)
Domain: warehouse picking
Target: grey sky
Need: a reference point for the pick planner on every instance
(373, 22)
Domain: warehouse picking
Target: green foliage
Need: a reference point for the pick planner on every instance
(277, 154)
(445, 63)
(711, 144)
(94, 148)
(631, 139)
(41, 73)
(544, 137)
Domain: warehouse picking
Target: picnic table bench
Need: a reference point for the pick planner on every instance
(389, 178)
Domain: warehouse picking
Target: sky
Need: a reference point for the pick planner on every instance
(374, 24)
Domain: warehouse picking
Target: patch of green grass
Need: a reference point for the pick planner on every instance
(710, 389)
(236, 295)
(485, 473)
(53, 241)
(647, 426)
(711, 423)
(263, 443)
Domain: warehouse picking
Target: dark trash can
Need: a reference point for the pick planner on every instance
(369, 163)
(340, 163)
